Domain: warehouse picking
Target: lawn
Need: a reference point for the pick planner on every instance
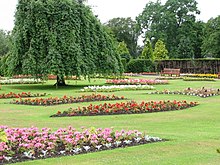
(193, 134)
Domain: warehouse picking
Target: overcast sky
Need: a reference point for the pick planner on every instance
(107, 9)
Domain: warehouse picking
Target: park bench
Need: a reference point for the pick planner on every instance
(170, 72)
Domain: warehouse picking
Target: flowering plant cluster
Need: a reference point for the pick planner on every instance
(126, 108)
(21, 81)
(116, 88)
(136, 81)
(201, 92)
(54, 77)
(131, 74)
(197, 79)
(168, 78)
(202, 75)
(29, 143)
(18, 95)
(66, 100)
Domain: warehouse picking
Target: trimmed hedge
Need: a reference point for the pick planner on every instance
(140, 65)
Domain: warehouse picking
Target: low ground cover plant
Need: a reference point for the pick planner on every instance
(20, 144)
(136, 81)
(114, 88)
(201, 92)
(66, 99)
(19, 95)
(126, 108)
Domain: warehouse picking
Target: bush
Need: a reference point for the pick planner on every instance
(140, 65)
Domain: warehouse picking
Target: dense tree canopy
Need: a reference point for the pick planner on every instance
(124, 29)
(160, 51)
(174, 23)
(147, 52)
(61, 37)
(4, 42)
(211, 42)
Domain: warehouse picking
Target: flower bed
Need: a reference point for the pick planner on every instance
(136, 82)
(66, 100)
(18, 95)
(169, 78)
(116, 88)
(201, 92)
(202, 75)
(20, 144)
(21, 81)
(126, 108)
(198, 79)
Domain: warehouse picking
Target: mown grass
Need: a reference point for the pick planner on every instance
(193, 133)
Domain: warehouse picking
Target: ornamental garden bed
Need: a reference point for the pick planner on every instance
(197, 79)
(136, 82)
(201, 92)
(126, 108)
(201, 75)
(19, 95)
(21, 144)
(66, 100)
(21, 81)
(114, 88)
(168, 78)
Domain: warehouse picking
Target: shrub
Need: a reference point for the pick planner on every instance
(140, 65)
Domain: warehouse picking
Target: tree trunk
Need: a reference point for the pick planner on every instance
(60, 81)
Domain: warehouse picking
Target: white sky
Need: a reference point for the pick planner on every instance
(107, 9)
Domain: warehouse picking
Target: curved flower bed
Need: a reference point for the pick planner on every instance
(116, 88)
(136, 82)
(198, 79)
(19, 144)
(202, 92)
(202, 75)
(66, 100)
(18, 95)
(126, 108)
(21, 81)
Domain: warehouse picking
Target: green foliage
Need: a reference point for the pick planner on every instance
(147, 52)
(123, 51)
(3, 136)
(160, 51)
(124, 29)
(4, 42)
(211, 42)
(174, 23)
(61, 37)
(140, 65)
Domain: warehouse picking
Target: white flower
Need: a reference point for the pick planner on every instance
(127, 141)
(76, 150)
(86, 148)
(137, 139)
(98, 147)
(117, 143)
(7, 158)
(108, 145)
(62, 152)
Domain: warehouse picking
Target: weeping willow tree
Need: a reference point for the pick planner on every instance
(61, 37)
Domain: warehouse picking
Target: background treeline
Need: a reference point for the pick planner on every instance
(73, 41)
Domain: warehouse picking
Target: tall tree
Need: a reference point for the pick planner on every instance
(172, 22)
(124, 29)
(4, 42)
(211, 41)
(147, 52)
(160, 51)
(123, 51)
(61, 37)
